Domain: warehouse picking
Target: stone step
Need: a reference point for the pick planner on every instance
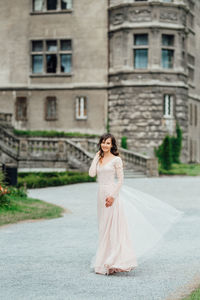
(134, 174)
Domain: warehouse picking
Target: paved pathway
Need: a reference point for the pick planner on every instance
(50, 259)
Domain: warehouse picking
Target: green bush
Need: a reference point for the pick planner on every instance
(124, 142)
(166, 160)
(170, 144)
(176, 145)
(4, 200)
(39, 179)
(51, 133)
(18, 192)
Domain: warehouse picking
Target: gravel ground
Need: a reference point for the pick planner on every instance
(50, 259)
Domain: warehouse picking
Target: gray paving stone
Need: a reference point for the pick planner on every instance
(50, 259)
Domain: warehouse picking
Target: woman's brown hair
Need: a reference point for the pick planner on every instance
(113, 149)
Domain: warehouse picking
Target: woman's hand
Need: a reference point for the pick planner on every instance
(109, 201)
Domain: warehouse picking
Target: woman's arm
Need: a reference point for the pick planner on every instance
(93, 168)
(120, 176)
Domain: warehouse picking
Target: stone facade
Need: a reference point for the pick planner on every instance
(137, 96)
(103, 72)
(87, 30)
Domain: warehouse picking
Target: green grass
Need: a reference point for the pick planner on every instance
(182, 169)
(51, 133)
(24, 208)
(194, 296)
(45, 179)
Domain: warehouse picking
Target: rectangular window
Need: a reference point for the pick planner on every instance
(51, 57)
(191, 114)
(140, 39)
(37, 64)
(140, 51)
(195, 115)
(168, 106)
(51, 5)
(38, 5)
(167, 40)
(167, 58)
(140, 58)
(21, 109)
(65, 63)
(168, 51)
(81, 107)
(66, 4)
(51, 109)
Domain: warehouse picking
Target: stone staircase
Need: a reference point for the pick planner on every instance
(60, 152)
(134, 174)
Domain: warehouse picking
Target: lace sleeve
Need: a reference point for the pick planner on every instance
(93, 167)
(120, 176)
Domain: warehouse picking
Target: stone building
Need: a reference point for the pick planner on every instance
(81, 65)
(53, 62)
(154, 72)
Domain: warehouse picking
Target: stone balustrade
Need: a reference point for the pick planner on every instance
(66, 153)
(8, 142)
(132, 160)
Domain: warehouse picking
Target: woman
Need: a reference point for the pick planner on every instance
(129, 221)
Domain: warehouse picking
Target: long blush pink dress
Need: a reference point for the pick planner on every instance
(115, 251)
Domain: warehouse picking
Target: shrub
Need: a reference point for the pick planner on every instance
(124, 142)
(39, 180)
(51, 133)
(174, 145)
(177, 145)
(166, 160)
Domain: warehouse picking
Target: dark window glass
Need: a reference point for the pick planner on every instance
(167, 58)
(37, 63)
(66, 4)
(140, 58)
(51, 63)
(21, 109)
(167, 40)
(51, 46)
(141, 39)
(65, 45)
(51, 4)
(37, 46)
(66, 63)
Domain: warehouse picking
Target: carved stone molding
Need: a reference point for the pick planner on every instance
(130, 14)
(169, 15)
(117, 18)
(143, 14)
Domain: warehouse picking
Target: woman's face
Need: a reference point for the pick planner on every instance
(106, 145)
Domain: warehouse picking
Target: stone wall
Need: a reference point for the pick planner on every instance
(137, 112)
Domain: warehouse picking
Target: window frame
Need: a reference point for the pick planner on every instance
(54, 118)
(191, 113)
(84, 107)
(168, 47)
(140, 47)
(171, 100)
(52, 11)
(17, 117)
(44, 54)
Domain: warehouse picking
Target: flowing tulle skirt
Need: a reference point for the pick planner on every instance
(133, 225)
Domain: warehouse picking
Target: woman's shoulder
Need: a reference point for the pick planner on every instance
(118, 160)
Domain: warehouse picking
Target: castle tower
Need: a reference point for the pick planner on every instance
(151, 70)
